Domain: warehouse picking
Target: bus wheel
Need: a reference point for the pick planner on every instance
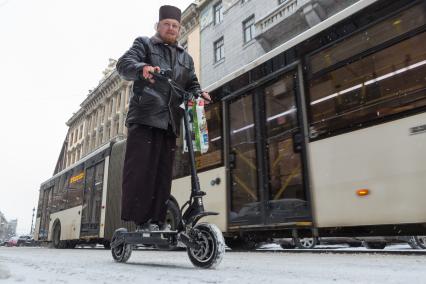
(173, 218)
(122, 252)
(305, 243)
(211, 246)
(420, 241)
(57, 243)
(374, 245)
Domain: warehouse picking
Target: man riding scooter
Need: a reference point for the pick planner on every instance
(153, 120)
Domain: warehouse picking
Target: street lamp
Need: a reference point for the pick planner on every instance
(32, 221)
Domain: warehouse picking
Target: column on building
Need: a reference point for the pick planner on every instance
(113, 112)
(105, 122)
(124, 94)
(98, 126)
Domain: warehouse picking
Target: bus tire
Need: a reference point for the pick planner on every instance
(56, 239)
(374, 245)
(173, 218)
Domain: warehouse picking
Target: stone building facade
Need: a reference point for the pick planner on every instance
(100, 119)
(234, 33)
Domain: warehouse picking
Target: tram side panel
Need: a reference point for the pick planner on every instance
(387, 160)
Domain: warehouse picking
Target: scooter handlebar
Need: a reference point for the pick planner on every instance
(165, 76)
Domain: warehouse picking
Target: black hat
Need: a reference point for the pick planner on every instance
(169, 12)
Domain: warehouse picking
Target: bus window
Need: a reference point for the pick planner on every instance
(384, 83)
(59, 201)
(76, 186)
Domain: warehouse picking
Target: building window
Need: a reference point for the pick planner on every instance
(219, 50)
(218, 13)
(81, 131)
(249, 29)
(281, 1)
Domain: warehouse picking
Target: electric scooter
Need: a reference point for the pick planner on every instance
(203, 241)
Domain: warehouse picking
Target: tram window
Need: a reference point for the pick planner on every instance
(213, 157)
(385, 83)
(399, 24)
(76, 186)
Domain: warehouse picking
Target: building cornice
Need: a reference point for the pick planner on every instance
(190, 19)
(75, 117)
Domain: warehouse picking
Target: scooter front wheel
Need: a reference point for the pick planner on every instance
(122, 252)
(211, 246)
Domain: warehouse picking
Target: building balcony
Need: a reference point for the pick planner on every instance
(291, 18)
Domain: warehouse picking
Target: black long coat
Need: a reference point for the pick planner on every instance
(154, 104)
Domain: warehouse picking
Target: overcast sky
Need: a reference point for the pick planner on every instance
(51, 53)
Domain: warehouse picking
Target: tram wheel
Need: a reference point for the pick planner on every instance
(420, 241)
(305, 243)
(412, 242)
(122, 252)
(212, 246)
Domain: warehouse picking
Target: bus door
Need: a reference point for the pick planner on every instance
(47, 196)
(92, 200)
(264, 155)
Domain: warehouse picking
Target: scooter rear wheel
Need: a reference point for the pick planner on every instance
(122, 252)
(212, 246)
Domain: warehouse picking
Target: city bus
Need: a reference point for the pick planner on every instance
(325, 135)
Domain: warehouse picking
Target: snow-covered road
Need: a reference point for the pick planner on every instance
(43, 265)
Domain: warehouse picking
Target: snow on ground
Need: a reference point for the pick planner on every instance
(43, 265)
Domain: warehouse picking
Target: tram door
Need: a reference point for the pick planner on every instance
(246, 206)
(266, 173)
(92, 200)
(286, 197)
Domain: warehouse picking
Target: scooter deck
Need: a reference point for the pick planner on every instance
(149, 237)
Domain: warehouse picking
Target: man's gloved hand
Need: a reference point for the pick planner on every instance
(146, 72)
